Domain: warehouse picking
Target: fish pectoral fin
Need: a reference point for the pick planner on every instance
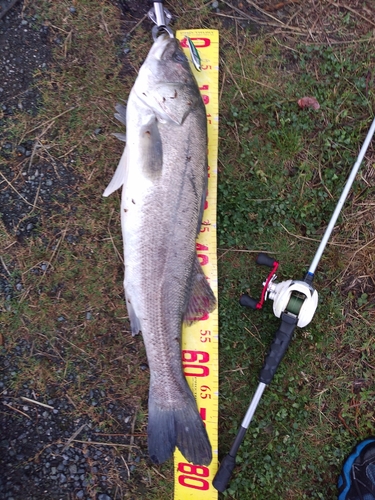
(202, 299)
(152, 149)
(119, 176)
(176, 100)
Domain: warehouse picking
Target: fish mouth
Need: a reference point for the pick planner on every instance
(168, 49)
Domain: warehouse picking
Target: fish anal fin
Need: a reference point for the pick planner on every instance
(134, 321)
(202, 299)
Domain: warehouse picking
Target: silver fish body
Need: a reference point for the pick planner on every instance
(163, 171)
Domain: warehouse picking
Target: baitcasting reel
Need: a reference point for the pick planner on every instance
(293, 297)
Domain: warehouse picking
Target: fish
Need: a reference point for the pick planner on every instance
(163, 173)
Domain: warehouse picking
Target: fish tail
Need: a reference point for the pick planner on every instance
(180, 426)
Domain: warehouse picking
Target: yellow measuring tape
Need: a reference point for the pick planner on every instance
(200, 341)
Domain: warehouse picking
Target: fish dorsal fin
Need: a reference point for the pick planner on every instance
(202, 299)
(119, 176)
(176, 100)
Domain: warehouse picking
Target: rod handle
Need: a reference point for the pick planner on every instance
(278, 348)
(228, 463)
(224, 473)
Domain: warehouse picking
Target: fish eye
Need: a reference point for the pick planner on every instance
(179, 56)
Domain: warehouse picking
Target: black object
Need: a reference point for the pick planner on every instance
(357, 478)
(228, 463)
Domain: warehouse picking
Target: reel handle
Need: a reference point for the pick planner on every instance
(263, 260)
(223, 475)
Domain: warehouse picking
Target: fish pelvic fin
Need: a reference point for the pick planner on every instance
(119, 176)
(181, 426)
(202, 299)
(152, 150)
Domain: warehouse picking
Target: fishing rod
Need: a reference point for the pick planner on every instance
(295, 302)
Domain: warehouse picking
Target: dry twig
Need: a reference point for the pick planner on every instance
(73, 436)
(51, 120)
(104, 443)
(15, 190)
(33, 401)
(132, 434)
(18, 411)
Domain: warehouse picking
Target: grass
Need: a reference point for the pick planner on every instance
(281, 171)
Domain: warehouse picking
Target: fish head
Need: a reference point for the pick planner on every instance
(166, 84)
(167, 62)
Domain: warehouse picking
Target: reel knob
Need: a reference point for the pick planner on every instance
(247, 301)
(264, 260)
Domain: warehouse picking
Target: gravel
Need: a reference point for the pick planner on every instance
(47, 452)
(27, 188)
(33, 192)
(24, 50)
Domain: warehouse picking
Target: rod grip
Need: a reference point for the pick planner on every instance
(228, 463)
(278, 348)
(224, 473)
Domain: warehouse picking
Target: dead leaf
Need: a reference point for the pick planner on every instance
(308, 102)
